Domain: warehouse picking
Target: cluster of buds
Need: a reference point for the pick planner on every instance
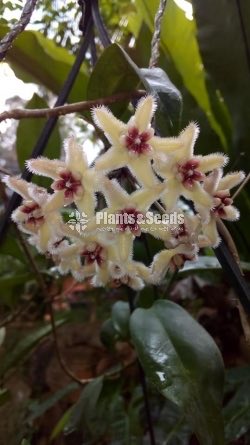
(162, 173)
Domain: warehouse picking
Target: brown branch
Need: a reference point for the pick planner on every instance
(242, 185)
(8, 39)
(22, 113)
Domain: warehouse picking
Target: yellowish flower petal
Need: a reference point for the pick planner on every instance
(198, 195)
(211, 162)
(75, 158)
(141, 168)
(188, 138)
(87, 204)
(144, 112)
(232, 214)
(111, 126)
(211, 233)
(111, 160)
(54, 202)
(19, 186)
(45, 167)
(144, 198)
(172, 194)
(231, 180)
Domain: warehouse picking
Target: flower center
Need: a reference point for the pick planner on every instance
(188, 174)
(97, 254)
(71, 184)
(129, 219)
(137, 142)
(33, 213)
(221, 200)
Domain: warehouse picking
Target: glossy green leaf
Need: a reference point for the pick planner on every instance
(28, 132)
(178, 40)
(112, 74)
(120, 318)
(22, 348)
(35, 58)
(121, 74)
(168, 97)
(182, 361)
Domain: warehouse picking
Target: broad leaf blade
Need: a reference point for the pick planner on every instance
(182, 361)
(35, 58)
(120, 318)
(169, 100)
(85, 406)
(178, 39)
(112, 74)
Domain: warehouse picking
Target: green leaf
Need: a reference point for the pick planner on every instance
(86, 405)
(168, 97)
(108, 334)
(61, 424)
(120, 318)
(237, 414)
(121, 74)
(37, 409)
(178, 40)
(35, 58)
(225, 60)
(182, 361)
(112, 74)
(28, 132)
(10, 246)
(23, 347)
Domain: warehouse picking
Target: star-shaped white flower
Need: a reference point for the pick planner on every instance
(128, 212)
(219, 189)
(38, 214)
(134, 143)
(123, 269)
(188, 232)
(184, 173)
(74, 181)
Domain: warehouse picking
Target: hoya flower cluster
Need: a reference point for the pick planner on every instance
(162, 171)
